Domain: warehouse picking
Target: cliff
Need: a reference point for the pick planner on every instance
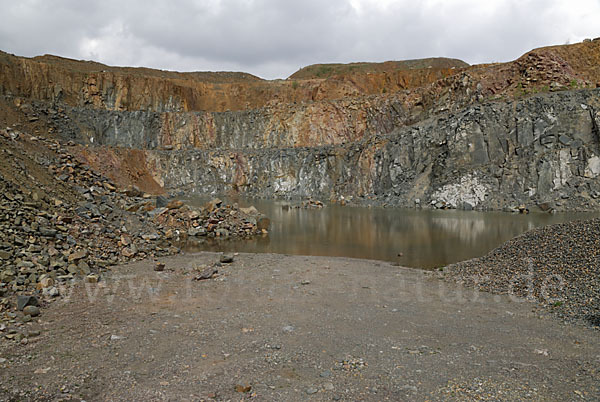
(433, 132)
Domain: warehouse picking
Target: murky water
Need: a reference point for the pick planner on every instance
(413, 238)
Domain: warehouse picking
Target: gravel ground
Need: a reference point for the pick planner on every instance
(291, 328)
(558, 266)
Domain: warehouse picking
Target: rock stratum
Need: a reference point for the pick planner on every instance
(432, 132)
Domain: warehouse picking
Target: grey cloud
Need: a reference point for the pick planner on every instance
(273, 38)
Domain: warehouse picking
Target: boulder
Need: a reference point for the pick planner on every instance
(25, 300)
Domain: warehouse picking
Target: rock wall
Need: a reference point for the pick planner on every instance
(542, 151)
(96, 86)
(487, 137)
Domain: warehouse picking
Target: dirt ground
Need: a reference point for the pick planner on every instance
(287, 328)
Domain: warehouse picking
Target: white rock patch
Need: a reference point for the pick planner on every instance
(593, 167)
(467, 190)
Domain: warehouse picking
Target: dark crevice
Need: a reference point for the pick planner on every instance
(595, 128)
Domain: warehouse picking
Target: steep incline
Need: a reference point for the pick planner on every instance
(429, 132)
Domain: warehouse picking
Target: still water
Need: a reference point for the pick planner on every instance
(412, 238)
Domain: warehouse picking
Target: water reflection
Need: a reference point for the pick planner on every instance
(414, 238)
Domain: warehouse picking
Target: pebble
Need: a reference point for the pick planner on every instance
(92, 278)
(311, 390)
(32, 311)
(226, 258)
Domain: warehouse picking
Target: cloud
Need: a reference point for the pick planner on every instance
(273, 38)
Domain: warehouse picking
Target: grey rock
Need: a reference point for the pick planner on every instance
(52, 291)
(207, 273)
(196, 231)
(161, 201)
(24, 301)
(564, 140)
(226, 258)
(83, 267)
(47, 232)
(311, 390)
(466, 206)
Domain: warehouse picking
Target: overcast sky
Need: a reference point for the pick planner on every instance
(272, 38)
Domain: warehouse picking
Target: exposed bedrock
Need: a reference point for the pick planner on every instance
(543, 151)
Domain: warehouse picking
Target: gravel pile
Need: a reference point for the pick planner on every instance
(558, 266)
(60, 221)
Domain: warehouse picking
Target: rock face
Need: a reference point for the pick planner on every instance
(542, 149)
(442, 135)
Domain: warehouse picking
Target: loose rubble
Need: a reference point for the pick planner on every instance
(60, 221)
(558, 266)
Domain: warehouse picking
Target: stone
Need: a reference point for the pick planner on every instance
(159, 267)
(128, 252)
(24, 301)
(52, 292)
(78, 255)
(32, 333)
(161, 202)
(32, 311)
(466, 206)
(83, 267)
(5, 255)
(46, 282)
(565, 140)
(92, 278)
(288, 328)
(328, 386)
(311, 390)
(134, 191)
(47, 232)
(243, 388)
(226, 258)
(592, 169)
(7, 275)
(213, 204)
(207, 273)
(196, 231)
(175, 204)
